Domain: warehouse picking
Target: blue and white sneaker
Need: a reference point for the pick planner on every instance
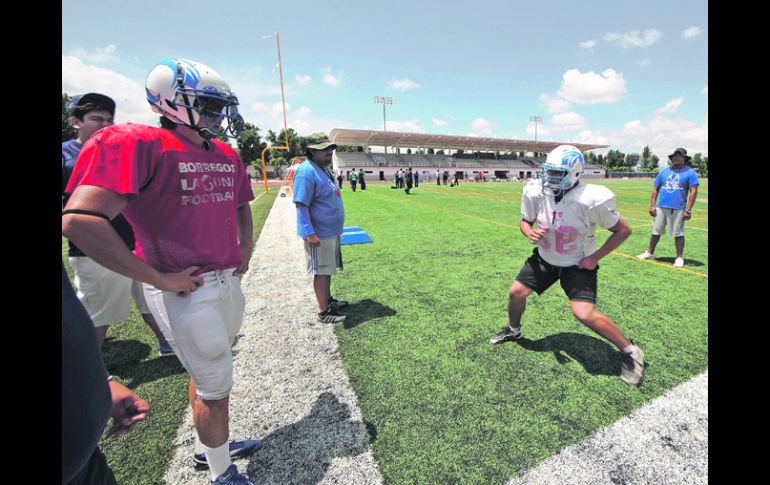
(164, 349)
(238, 449)
(232, 477)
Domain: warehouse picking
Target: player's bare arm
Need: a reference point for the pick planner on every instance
(620, 232)
(97, 238)
(534, 235)
(245, 237)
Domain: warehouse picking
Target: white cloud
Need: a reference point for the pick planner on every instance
(303, 80)
(331, 80)
(438, 122)
(129, 95)
(568, 121)
(410, 126)
(403, 84)
(691, 32)
(592, 88)
(589, 44)
(258, 107)
(634, 38)
(483, 127)
(334, 80)
(542, 130)
(555, 105)
(277, 109)
(100, 54)
(597, 138)
(705, 91)
(670, 107)
(634, 128)
(662, 134)
(644, 62)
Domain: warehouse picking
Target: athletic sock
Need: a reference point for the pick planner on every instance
(628, 349)
(218, 458)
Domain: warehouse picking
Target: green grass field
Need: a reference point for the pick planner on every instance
(131, 354)
(443, 404)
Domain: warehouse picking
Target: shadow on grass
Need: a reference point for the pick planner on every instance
(687, 262)
(126, 359)
(302, 452)
(596, 356)
(364, 311)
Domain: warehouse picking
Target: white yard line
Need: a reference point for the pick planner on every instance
(664, 441)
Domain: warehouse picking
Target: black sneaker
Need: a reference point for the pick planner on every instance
(335, 304)
(331, 316)
(505, 334)
(238, 449)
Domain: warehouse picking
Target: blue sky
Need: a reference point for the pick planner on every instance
(623, 73)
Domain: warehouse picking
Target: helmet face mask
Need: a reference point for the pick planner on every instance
(562, 170)
(192, 94)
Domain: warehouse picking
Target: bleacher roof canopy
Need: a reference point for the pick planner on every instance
(366, 138)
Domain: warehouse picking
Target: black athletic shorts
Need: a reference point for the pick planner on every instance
(539, 275)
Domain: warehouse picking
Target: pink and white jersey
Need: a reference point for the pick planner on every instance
(570, 224)
(182, 199)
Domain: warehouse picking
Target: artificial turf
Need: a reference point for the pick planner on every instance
(443, 404)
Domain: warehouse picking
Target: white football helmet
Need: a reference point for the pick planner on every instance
(183, 90)
(562, 170)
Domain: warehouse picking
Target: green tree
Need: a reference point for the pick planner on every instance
(632, 161)
(250, 146)
(600, 159)
(654, 160)
(696, 162)
(67, 131)
(646, 158)
(615, 159)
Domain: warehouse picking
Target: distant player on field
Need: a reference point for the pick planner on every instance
(566, 213)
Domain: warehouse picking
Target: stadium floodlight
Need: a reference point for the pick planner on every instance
(536, 119)
(383, 100)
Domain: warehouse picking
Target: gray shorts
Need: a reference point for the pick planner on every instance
(673, 218)
(324, 259)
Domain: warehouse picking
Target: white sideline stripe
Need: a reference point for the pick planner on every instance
(665, 441)
(257, 198)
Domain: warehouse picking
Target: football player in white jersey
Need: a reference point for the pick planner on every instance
(566, 213)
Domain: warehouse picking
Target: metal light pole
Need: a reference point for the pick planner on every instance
(383, 101)
(536, 119)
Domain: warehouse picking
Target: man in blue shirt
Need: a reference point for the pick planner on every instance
(678, 189)
(320, 218)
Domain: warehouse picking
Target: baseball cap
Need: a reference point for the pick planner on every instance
(324, 145)
(680, 151)
(96, 99)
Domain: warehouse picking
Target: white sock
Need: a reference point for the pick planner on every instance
(516, 330)
(628, 349)
(198, 445)
(218, 458)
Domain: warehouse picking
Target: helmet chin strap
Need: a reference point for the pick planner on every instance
(203, 132)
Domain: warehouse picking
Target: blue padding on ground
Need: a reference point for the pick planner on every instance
(354, 235)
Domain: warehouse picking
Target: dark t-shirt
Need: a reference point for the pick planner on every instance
(69, 154)
(86, 400)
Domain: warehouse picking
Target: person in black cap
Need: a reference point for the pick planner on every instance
(678, 189)
(105, 294)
